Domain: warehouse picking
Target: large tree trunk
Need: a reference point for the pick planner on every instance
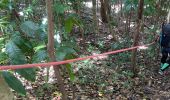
(136, 36)
(51, 49)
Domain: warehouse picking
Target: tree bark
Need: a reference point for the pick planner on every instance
(103, 11)
(51, 50)
(136, 36)
(95, 21)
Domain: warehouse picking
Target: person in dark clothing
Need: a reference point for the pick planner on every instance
(165, 47)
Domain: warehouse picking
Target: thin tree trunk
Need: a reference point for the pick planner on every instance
(121, 8)
(78, 9)
(103, 11)
(136, 36)
(95, 21)
(109, 17)
(108, 5)
(127, 22)
(51, 49)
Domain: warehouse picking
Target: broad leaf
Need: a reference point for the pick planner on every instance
(60, 8)
(41, 35)
(14, 83)
(15, 54)
(71, 44)
(69, 22)
(29, 28)
(67, 50)
(72, 20)
(24, 44)
(62, 52)
(29, 73)
(39, 56)
(17, 57)
(60, 55)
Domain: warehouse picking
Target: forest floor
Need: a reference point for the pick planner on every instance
(115, 81)
(108, 77)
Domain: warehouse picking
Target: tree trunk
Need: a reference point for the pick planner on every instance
(121, 8)
(103, 11)
(95, 21)
(109, 17)
(51, 49)
(136, 36)
(108, 5)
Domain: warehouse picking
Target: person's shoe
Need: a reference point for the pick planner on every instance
(161, 72)
(165, 65)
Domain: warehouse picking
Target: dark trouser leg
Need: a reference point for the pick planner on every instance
(164, 60)
(164, 56)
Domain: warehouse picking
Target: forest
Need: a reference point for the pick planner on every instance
(84, 50)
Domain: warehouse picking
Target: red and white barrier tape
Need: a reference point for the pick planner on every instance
(48, 64)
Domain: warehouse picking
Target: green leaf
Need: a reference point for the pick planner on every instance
(15, 54)
(29, 73)
(14, 83)
(17, 57)
(3, 57)
(60, 8)
(70, 56)
(40, 34)
(71, 44)
(60, 55)
(24, 44)
(39, 47)
(62, 52)
(69, 22)
(72, 20)
(4, 4)
(67, 50)
(70, 71)
(29, 28)
(2, 42)
(39, 56)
